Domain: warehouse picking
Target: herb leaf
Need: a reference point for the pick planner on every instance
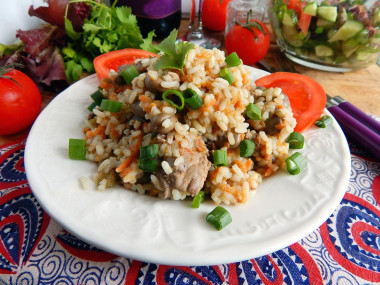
(174, 53)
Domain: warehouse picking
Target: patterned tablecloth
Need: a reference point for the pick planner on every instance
(34, 249)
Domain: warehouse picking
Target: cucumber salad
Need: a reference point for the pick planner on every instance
(341, 33)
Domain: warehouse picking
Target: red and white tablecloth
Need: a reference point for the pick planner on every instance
(34, 249)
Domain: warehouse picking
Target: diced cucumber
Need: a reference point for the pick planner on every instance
(290, 18)
(362, 54)
(311, 9)
(366, 49)
(363, 36)
(350, 43)
(292, 36)
(323, 23)
(323, 51)
(376, 16)
(348, 30)
(331, 33)
(348, 50)
(328, 13)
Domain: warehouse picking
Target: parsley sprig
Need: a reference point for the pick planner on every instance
(174, 53)
(106, 29)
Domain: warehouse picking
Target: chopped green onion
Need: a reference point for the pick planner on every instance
(226, 74)
(77, 149)
(295, 163)
(253, 112)
(148, 165)
(233, 60)
(192, 99)
(295, 140)
(97, 97)
(319, 30)
(174, 98)
(149, 151)
(247, 147)
(219, 218)
(220, 158)
(129, 74)
(92, 106)
(110, 105)
(198, 199)
(324, 121)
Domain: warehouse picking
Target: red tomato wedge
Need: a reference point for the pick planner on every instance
(113, 59)
(296, 5)
(304, 22)
(307, 97)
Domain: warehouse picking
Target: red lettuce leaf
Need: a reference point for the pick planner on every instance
(54, 14)
(36, 40)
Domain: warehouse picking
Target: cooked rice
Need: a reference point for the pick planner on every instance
(113, 139)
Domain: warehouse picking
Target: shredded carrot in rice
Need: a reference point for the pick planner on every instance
(113, 96)
(100, 130)
(114, 133)
(245, 166)
(106, 83)
(134, 148)
(245, 78)
(128, 169)
(145, 99)
(238, 194)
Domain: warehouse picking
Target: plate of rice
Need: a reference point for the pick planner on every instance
(141, 207)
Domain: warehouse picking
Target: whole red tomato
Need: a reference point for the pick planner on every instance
(214, 13)
(249, 40)
(20, 101)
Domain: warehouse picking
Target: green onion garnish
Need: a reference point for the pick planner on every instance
(253, 112)
(295, 163)
(129, 74)
(192, 99)
(174, 98)
(92, 106)
(247, 147)
(324, 121)
(220, 158)
(148, 165)
(198, 199)
(219, 218)
(110, 105)
(77, 149)
(149, 151)
(233, 60)
(295, 140)
(226, 74)
(97, 96)
(319, 30)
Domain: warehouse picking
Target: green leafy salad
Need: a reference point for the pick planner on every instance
(77, 31)
(336, 32)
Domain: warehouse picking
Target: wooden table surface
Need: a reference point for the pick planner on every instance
(361, 87)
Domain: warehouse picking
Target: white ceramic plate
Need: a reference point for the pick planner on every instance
(285, 209)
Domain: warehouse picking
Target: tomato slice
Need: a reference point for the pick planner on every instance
(304, 22)
(307, 97)
(113, 59)
(296, 5)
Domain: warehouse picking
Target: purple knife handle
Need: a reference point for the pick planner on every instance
(357, 131)
(361, 116)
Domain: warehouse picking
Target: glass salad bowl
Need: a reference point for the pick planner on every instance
(334, 35)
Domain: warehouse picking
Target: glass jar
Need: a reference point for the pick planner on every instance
(330, 35)
(237, 12)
